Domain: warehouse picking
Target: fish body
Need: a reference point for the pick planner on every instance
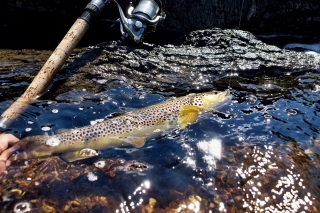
(132, 128)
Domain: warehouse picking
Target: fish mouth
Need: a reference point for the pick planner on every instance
(215, 99)
(228, 94)
(225, 97)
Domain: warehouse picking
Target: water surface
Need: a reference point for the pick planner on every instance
(258, 153)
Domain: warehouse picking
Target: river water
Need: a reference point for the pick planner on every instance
(258, 153)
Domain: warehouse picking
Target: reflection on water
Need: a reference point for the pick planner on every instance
(260, 153)
(271, 183)
(134, 200)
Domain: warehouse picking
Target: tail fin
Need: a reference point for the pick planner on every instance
(19, 156)
(31, 142)
(28, 145)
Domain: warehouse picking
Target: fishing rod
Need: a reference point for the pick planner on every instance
(139, 20)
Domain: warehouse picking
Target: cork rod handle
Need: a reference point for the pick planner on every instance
(43, 79)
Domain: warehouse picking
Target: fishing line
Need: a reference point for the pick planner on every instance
(233, 66)
(240, 14)
(229, 86)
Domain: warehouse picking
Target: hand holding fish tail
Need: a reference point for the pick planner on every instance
(5, 152)
(32, 147)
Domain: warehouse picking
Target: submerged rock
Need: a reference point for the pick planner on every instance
(257, 177)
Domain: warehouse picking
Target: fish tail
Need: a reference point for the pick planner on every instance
(30, 142)
(19, 156)
(30, 147)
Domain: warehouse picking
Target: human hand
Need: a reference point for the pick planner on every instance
(5, 152)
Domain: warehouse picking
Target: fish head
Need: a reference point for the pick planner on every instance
(212, 99)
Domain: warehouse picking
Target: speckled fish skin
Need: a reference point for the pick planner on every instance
(132, 128)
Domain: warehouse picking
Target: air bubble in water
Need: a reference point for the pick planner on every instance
(291, 112)
(45, 128)
(100, 164)
(22, 207)
(55, 111)
(251, 99)
(267, 116)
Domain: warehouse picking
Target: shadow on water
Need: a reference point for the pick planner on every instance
(258, 153)
(76, 62)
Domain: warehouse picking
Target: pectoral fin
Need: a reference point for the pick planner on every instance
(136, 141)
(79, 155)
(187, 115)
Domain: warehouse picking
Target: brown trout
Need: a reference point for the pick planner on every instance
(132, 128)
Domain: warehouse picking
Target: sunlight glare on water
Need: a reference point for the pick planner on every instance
(130, 203)
(289, 192)
(212, 150)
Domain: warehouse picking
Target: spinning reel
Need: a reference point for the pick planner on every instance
(139, 20)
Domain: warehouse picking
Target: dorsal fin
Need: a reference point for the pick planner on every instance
(187, 115)
(60, 131)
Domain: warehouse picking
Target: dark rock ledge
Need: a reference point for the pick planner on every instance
(202, 59)
(193, 62)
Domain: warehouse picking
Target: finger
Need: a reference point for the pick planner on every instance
(8, 163)
(3, 146)
(7, 153)
(2, 167)
(12, 139)
(6, 139)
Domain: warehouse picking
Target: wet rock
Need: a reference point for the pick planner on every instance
(192, 63)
